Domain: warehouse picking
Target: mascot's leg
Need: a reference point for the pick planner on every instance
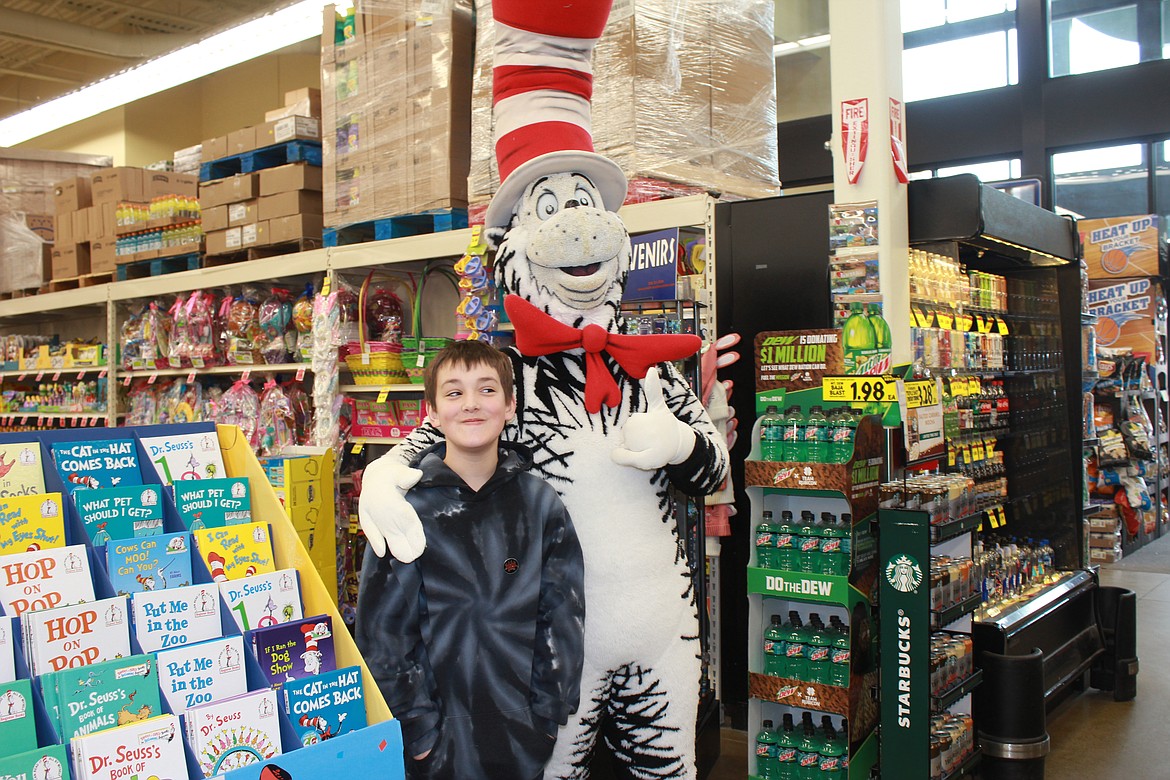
(570, 758)
(653, 706)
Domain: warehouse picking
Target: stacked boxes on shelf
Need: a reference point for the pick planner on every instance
(396, 97)
(188, 160)
(279, 127)
(1103, 523)
(685, 98)
(155, 214)
(268, 207)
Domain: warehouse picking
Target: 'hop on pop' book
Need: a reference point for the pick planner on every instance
(32, 522)
(150, 563)
(120, 512)
(44, 579)
(76, 635)
(263, 600)
(97, 464)
(236, 551)
(176, 616)
(202, 673)
(213, 503)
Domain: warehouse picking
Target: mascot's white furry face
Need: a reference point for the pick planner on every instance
(564, 253)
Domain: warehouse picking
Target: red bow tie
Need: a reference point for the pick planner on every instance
(539, 334)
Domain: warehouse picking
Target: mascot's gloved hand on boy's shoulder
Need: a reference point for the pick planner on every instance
(654, 438)
(386, 517)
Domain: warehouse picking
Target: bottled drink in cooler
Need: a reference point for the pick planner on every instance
(816, 436)
(774, 648)
(772, 435)
(793, 448)
(766, 752)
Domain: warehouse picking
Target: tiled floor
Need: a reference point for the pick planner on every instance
(1093, 737)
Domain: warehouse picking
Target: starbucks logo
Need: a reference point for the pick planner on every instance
(904, 574)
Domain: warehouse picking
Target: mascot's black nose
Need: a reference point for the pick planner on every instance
(572, 204)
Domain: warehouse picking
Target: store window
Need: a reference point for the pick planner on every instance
(995, 170)
(1105, 182)
(942, 38)
(1162, 179)
(1090, 35)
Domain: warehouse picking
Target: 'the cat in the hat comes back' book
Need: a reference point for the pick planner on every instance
(97, 464)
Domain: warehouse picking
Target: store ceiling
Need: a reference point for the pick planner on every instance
(50, 47)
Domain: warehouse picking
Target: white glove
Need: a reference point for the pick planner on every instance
(386, 517)
(654, 438)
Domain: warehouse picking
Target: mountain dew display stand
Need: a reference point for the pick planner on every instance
(376, 747)
(811, 585)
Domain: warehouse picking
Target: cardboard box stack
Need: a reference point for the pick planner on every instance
(395, 108)
(139, 212)
(27, 206)
(188, 160)
(298, 120)
(1104, 529)
(685, 98)
(268, 207)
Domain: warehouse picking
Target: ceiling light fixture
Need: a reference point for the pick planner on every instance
(812, 43)
(251, 39)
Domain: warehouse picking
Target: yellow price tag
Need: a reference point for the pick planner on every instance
(924, 317)
(966, 453)
(1002, 325)
(1002, 516)
(977, 452)
(958, 386)
(991, 518)
(963, 322)
(974, 386)
(859, 389)
(989, 445)
(945, 319)
(383, 394)
(357, 448)
(920, 393)
(325, 285)
(952, 456)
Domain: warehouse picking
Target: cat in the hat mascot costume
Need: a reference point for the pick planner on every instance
(611, 423)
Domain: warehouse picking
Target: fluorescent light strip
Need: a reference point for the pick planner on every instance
(247, 41)
(804, 44)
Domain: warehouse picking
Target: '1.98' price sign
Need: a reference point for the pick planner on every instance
(859, 389)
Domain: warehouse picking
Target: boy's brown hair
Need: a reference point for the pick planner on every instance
(468, 353)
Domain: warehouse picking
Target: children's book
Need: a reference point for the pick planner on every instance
(176, 616)
(9, 629)
(105, 695)
(148, 748)
(236, 551)
(263, 600)
(46, 763)
(97, 464)
(235, 732)
(149, 563)
(213, 503)
(291, 651)
(375, 752)
(18, 729)
(326, 706)
(21, 470)
(120, 512)
(44, 579)
(202, 673)
(32, 522)
(185, 457)
(77, 635)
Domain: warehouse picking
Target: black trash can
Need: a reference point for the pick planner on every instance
(1009, 714)
(1116, 669)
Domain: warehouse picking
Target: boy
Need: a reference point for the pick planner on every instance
(477, 645)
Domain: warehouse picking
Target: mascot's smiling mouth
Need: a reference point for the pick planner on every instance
(582, 270)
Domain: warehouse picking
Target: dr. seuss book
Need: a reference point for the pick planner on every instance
(291, 651)
(202, 673)
(96, 464)
(120, 512)
(21, 470)
(105, 695)
(33, 522)
(235, 551)
(44, 579)
(77, 635)
(18, 730)
(8, 633)
(176, 616)
(213, 503)
(46, 763)
(149, 563)
(235, 732)
(185, 457)
(327, 705)
(149, 748)
(263, 600)
(375, 752)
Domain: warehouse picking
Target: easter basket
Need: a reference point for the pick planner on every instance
(373, 362)
(418, 350)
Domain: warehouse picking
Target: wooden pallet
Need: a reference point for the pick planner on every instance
(258, 159)
(10, 294)
(158, 266)
(259, 252)
(433, 221)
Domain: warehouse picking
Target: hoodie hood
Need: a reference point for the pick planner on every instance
(513, 459)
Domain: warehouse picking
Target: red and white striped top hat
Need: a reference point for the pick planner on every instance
(309, 631)
(217, 563)
(541, 93)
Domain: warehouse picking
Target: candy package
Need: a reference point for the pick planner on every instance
(277, 423)
(242, 326)
(383, 314)
(302, 321)
(302, 409)
(240, 406)
(275, 320)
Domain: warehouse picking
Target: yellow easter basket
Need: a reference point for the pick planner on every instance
(373, 362)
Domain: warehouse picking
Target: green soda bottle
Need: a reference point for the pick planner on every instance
(881, 329)
(816, 650)
(786, 743)
(765, 542)
(766, 752)
(857, 337)
(816, 436)
(774, 648)
(839, 655)
(831, 751)
(832, 552)
(808, 750)
(786, 556)
(810, 542)
(796, 668)
(792, 444)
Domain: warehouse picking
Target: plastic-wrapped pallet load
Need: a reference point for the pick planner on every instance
(395, 105)
(684, 91)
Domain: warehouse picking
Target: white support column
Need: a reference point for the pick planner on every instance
(866, 62)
